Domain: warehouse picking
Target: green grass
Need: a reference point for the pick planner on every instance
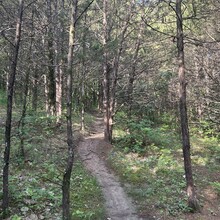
(148, 159)
(142, 135)
(89, 119)
(86, 196)
(35, 184)
(38, 190)
(155, 181)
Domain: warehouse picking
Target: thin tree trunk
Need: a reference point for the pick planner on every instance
(83, 77)
(106, 73)
(24, 108)
(132, 73)
(46, 94)
(100, 96)
(59, 60)
(23, 115)
(35, 90)
(83, 99)
(192, 200)
(51, 70)
(70, 141)
(5, 202)
(59, 74)
(111, 76)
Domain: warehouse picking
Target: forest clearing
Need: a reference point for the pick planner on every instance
(109, 110)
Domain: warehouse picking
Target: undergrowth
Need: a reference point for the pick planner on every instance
(148, 159)
(35, 181)
(86, 196)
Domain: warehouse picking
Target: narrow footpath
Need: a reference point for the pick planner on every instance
(93, 151)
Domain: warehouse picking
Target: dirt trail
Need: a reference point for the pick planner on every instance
(93, 150)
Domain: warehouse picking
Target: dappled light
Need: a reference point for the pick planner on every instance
(109, 110)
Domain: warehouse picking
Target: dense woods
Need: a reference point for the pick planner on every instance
(149, 67)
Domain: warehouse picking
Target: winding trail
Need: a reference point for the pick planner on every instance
(93, 151)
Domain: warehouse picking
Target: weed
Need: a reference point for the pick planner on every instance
(216, 186)
(141, 135)
(148, 156)
(86, 195)
(16, 217)
(35, 182)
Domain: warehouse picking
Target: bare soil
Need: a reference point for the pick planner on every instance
(93, 150)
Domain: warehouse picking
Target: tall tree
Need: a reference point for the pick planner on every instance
(83, 75)
(70, 141)
(106, 73)
(26, 89)
(10, 89)
(132, 72)
(192, 200)
(59, 56)
(50, 80)
(111, 58)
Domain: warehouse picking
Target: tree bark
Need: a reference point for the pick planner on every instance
(26, 89)
(35, 90)
(132, 73)
(59, 61)
(192, 200)
(110, 73)
(70, 141)
(106, 74)
(83, 77)
(15, 51)
(51, 82)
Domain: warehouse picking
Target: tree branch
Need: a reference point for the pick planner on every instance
(83, 12)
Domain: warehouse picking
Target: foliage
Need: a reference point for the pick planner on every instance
(16, 217)
(216, 186)
(155, 180)
(30, 193)
(206, 129)
(35, 181)
(155, 172)
(142, 136)
(86, 195)
(149, 133)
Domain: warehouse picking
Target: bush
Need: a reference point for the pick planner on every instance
(142, 135)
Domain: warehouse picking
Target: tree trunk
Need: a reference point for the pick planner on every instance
(35, 90)
(5, 202)
(23, 115)
(100, 96)
(51, 82)
(110, 75)
(59, 54)
(192, 200)
(26, 89)
(59, 73)
(106, 75)
(46, 94)
(132, 73)
(83, 77)
(70, 141)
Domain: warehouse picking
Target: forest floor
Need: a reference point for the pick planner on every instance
(35, 181)
(96, 156)
(134, 186)
(94, 150)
